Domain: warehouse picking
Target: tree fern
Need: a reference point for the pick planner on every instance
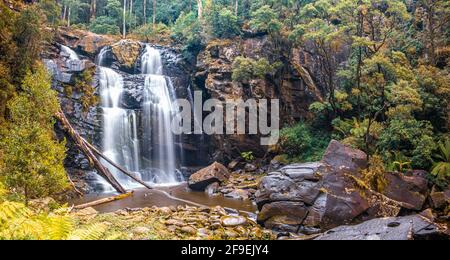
(441, 167)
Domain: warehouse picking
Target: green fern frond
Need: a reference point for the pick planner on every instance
(13, 210)
(92, 232)
(59, 227)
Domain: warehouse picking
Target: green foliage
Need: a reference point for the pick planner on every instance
(412, 138)
(186, 30)
(104, 25)
(400, 163)
(158, 33)
(303, 144)
(441, 164)
(265, 20)
(374, 176)
(92, 232)
(83, 85)
(51, 10)
(35, 159)
(246, 69)
(248, 156)
(28, 37)
(224, 23)
(18, 222)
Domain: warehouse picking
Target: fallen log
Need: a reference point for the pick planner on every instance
(82, 144)
(103, 201)
(120, 168)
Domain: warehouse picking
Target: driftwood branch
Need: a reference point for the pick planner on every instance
(82, 144)
(103, 201)
(120, 168)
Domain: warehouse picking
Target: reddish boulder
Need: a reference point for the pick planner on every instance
(216, 172)
(410, 190)
(341, 157)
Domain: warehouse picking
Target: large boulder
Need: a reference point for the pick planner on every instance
(319, 196)
(341, 157)
(410, 189)
(127, 53)
(396, 228)
(216, 172)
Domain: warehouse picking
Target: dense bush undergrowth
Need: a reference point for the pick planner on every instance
(302, 143)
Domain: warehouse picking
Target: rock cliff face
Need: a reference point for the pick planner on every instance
(84, 42)
(293, 85)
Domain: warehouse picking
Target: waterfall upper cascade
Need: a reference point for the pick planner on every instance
(73, 61)
(140, 140)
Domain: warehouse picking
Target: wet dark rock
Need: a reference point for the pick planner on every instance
(283, 208)
(439, 200)
(411, 191)
(399, 228)
(212, 188)
(238, 194)
(234, 164)
(250, 167)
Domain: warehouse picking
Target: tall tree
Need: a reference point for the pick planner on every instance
(145, 11)
(154, 13)
(124, 29)
(200, 8)
(93, 10)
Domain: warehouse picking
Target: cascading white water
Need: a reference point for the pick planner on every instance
(72, 54)
(122, 142)
(120, 139)
(73, 61)
(151, 62)
(157, 113)
(101, 56)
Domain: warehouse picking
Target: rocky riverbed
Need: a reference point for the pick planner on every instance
(182, 222)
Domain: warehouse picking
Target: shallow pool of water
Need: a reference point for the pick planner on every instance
(146, 198)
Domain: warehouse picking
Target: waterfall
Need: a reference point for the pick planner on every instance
(101, 56)
(151, 61)
(72, 54)
(157, 112)
(140, 141)
(120, 139)
(73, 62)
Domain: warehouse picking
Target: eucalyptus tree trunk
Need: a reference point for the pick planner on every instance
(236, 8)
(200, 8)
(124, 29)
(68, 17)
(154, 13)
(93, 9)
(64, 13)
(145, 11)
